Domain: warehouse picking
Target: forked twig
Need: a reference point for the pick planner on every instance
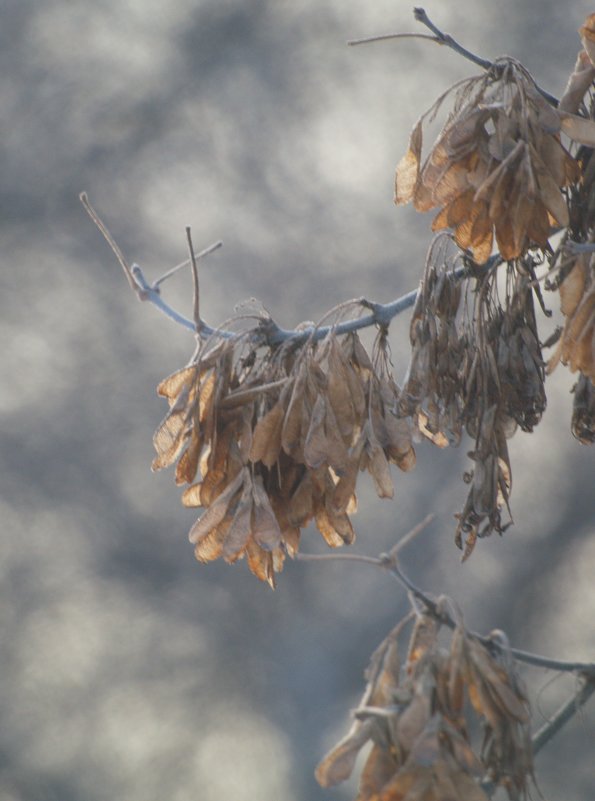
(441, 38)
(389, 563)
(186, 262)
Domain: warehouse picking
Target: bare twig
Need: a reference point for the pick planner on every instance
(383, 37)
(110, 241)
(272, 334)
(438, 610)
(446, 39)
(195, 282)
(579, 247)
(566, 711)
(186, 262)
(409, 537)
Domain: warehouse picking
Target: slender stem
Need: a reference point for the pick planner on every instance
(109, 239)
(186, 262)
(383, 37)
(195, 282)
(446, 39)
(586, 669)
(566, 711)
(272, 334)
(410, 536)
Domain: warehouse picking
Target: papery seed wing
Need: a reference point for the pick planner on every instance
(291, 433)
(240, 530)
(260, 563)
(173, 385)
(210, 547)
(266, 531)
(338, 764)
(336, 528)
(407, 174)
(217, 511)
(578, 128)
(316, 446)
(266, 438)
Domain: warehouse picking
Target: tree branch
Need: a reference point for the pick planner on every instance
(446, 39)
(565, 712)
(271, 334)
(388, 563)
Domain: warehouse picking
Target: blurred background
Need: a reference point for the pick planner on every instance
(128, 670)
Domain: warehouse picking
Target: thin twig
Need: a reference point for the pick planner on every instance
(110, 241)
(446, 39)
(343, 557)
(195, 282)
(565, 712)
(579, 247)
(410, 536)
(586, 669)
(383, 37)
(272, 334)
(186, 262)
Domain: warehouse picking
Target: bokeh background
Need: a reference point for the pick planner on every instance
(128, 670)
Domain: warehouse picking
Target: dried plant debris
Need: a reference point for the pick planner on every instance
(573, 263)
(576, 346)
(498, 170)
(476, 367)
(273, 438)
(583, 413)
(422, 715)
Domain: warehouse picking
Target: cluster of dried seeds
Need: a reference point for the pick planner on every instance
(277, 431)
(498, 168)
(278, 436)
(476, 366)
(422, 716)
(574, 261)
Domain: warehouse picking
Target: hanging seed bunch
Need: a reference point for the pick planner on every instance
(575, 268)
(422, 714)
(476, 366)
(272, 438)
(498, 169)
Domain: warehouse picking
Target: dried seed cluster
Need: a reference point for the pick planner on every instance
(278, 436)
(576, 271)
(476, 365)
(270, 437)
(498, 168)
(421, 714)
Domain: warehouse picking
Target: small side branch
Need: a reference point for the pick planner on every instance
(195, 282)
(110, 241)
(565, 713)
(388, 562)
(446, 39)
(441, 38)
